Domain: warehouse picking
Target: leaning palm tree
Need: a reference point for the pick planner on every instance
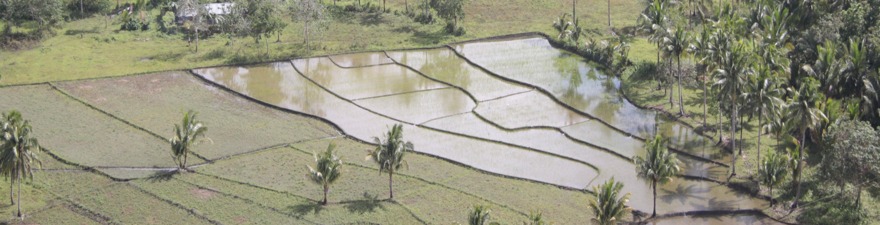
(609, 206)
(803, 115)
(389, 154)
(326, 170)
(675, 45)
(18, 151)
(186, 134)
(658, 166)
(772, 171)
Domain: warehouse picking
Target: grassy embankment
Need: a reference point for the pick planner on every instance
(94, 47)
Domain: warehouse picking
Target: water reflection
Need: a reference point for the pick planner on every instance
(578, 84)
(444, 65)
(363, 124)
(361, 59)
(364, 82)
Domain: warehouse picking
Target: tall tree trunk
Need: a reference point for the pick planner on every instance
(771, 196)
(383, 7)
(799, 169)
(326, 189)
(654, 187)
(81, 11)
(705, 95)
(858, 196)
(390, 181)
(609, 13)
(680, 95)
(306, 31)
(11, 196)
(185, 154)
(19, 197)
(197, 50)
(741, 141)
(267, 45)
(406, 5)
(760, 132)
(733, 137)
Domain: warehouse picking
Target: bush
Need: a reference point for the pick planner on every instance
(451, 29)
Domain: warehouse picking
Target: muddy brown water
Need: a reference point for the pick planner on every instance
(536, 138)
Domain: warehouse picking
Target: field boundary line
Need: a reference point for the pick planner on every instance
(355, 67)
(442, 131)
(265, 148)
(432, 183)
(59, 90)
(173, 203)
(246, 200)
(547, 93)
(401, 93)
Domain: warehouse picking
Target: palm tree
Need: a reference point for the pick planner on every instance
(732, 71)
(653, 20)
(389, 154)
(675, 44)
(535, 218)
(763, 98)
(326, 170)
(609, 207)
(479, 216)
(701, 50)
(658, 166)
(803, 114)
(10, 121)
(858, 76)
(187, 134)
(18, 151)
(772, 171)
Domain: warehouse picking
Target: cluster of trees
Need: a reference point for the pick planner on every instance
(39, 16)
(797, 67)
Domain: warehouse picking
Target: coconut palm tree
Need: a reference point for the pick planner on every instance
(858, 76)
(326, 170)
(389, 154)
(10, 121)
(609, 207)
(763, 98)
(772, 171)
(675, 45)
(803, 114)
(654, 21)
(186, 135)
(18, 151)
(479, 216)
(658, 166)
(731, 75)
(701, 49)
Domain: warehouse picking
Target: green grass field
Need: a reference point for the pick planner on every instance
(101, 50)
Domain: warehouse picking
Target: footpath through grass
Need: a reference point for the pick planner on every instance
(94, 47)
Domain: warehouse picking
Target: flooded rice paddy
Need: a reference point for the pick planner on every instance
(516, 107)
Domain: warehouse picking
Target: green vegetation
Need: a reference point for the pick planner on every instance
(18, 153)
(186, 134)
(326, 170)
(772, 171)
(658, 166)
(609, 207)
(389, 154)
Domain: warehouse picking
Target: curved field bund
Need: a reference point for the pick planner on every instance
(513, 124)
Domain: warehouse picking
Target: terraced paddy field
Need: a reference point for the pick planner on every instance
(524, 135)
